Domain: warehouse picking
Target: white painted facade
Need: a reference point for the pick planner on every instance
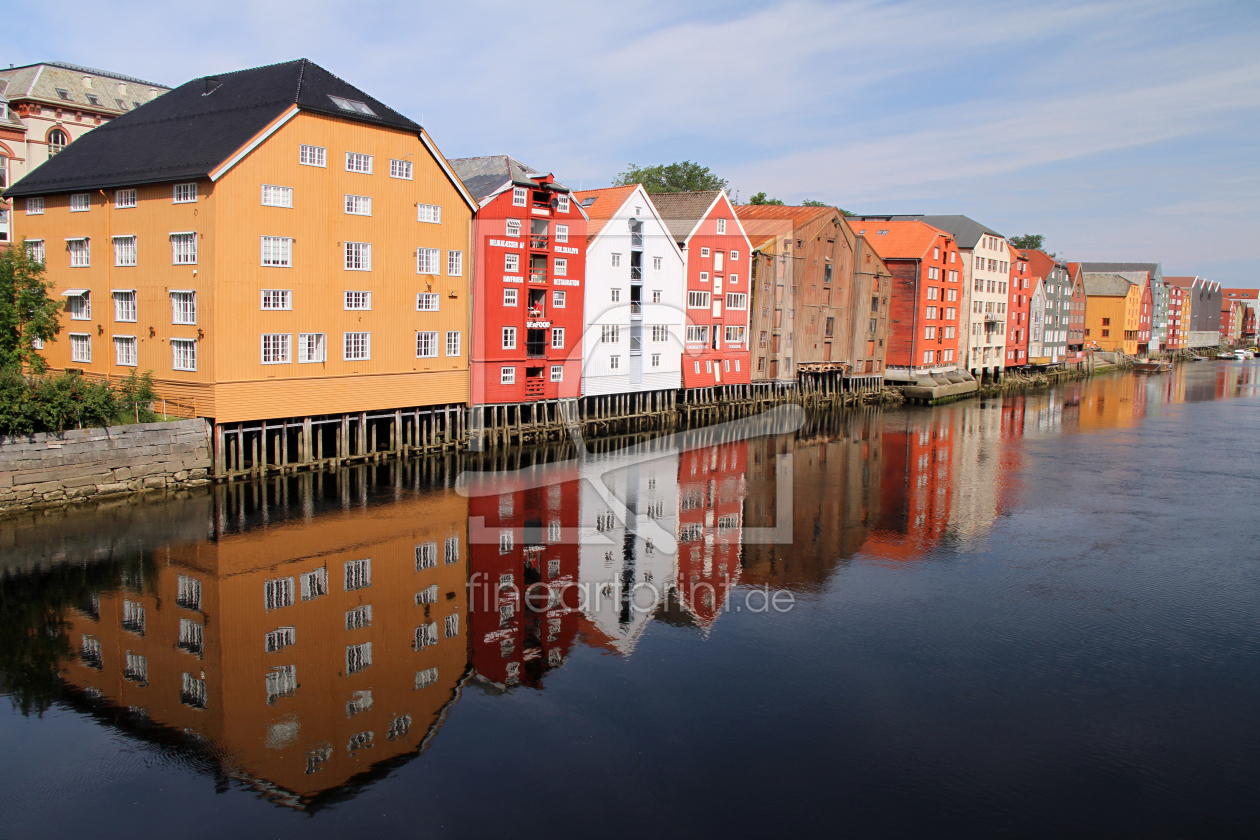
(625, 580)
(1036, 324)
(987, 269)
(611, 364)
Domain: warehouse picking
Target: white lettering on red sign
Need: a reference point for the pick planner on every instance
(505, 243)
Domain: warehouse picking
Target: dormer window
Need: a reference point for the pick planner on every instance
(64, 94)
(91, 98)
(352, 105)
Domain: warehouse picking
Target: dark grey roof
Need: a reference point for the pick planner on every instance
(680, 211)
(1108, 285)
(188, 132)
(966, 231)
(1104, 267)
(483, 175)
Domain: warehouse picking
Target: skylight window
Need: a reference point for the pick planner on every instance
(64, 94)
(91, 98)
(587, 202)
(352, 105)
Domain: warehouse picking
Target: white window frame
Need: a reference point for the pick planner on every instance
(560, 267)
(79, 306)
(509, 338)
(364, 297)
(184, 354)
(610, 334)
(124, 199)
(358, 256)
(430, 214)
(454, 263)
(313, 155)
(276, 348)
(359, 340)
(80, 202)
(736, 300)
(426, 340)
(35, 250)
(126, 351)
(735, 334)
(562, 233)
(657, 263)
(704, 252)
(510, 297)
(512, 263)
(276, 252)
(557, 338)
(721, 226)
(616, 260)
(359, 162)
(697, 333)
(697, 299)
(507, 375)
(358, 205)
(276, 299)
(614, 362)
(124, 305)
(429, 261)
(184, 248)
(35, 205)
(562, 204)
(184, 193)
(80, 248)
(557, 298)
(125, 251)
(280, 196)
(520, 197)
(428, 301)
(513, 229)
(400, 169)
(453, 344)
(183, 306)
(308, 342)
(81, 348)
(557, 373)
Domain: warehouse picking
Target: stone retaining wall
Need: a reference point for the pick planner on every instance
(52, 469)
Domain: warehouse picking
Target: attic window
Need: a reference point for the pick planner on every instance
(587, 202)
(881, 233)
(351, 105)
(64, 94)
(91, 98)
(122, 106)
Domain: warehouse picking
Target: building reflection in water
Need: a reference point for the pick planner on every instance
(326, 625)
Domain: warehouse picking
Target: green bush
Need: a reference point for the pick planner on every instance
(68, 401)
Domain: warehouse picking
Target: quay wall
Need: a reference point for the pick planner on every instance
(46, 470)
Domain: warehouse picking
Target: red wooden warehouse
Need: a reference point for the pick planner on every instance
(528, 280)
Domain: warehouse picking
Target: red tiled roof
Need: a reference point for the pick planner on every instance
(765, 222)
(908, 240)
(607, 202)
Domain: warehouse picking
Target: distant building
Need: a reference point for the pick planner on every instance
(1250, 302)
(1113, 316)
(1202, 297)
(818, 305)
(1055, 316)
(1154, 328)
(1023, 288)
(45, 107)
(715, 253)
(925, 298)
(1076, 312)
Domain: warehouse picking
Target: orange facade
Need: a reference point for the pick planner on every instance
(303, 654)
(241, 281)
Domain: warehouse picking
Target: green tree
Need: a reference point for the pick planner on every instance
(1028, 242)
(811, 202)
(27, 313)
(674, 177)
(760, 198)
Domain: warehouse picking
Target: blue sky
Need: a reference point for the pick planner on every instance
(1122, 130)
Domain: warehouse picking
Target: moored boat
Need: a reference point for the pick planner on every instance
(1151, 366)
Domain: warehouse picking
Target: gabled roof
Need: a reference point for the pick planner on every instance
(1106, 285)
(1040, 264)
(682, 211)
(486, 176)
(190, 131)
(899, 240)
(765, 222)
(603, 205)
(1242, 294)
(1110, 267)
(966, 231)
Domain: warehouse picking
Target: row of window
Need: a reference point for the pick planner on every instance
(934, 293)
(947, 313)
(561, 231)
(700, 300)
(123, 199)
(520, 198)
(929, 333)
(277, 348)
(932, 357)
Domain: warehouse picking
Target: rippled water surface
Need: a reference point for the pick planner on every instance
(1021, 616)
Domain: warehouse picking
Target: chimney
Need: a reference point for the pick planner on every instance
(212, 84)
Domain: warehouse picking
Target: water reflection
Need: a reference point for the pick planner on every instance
(303, 635)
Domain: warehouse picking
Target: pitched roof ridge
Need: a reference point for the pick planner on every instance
(297, 94)
(79, 68)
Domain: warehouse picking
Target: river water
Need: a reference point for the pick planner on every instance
(1027, 616)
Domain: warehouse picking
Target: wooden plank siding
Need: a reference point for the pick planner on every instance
(231, 383)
